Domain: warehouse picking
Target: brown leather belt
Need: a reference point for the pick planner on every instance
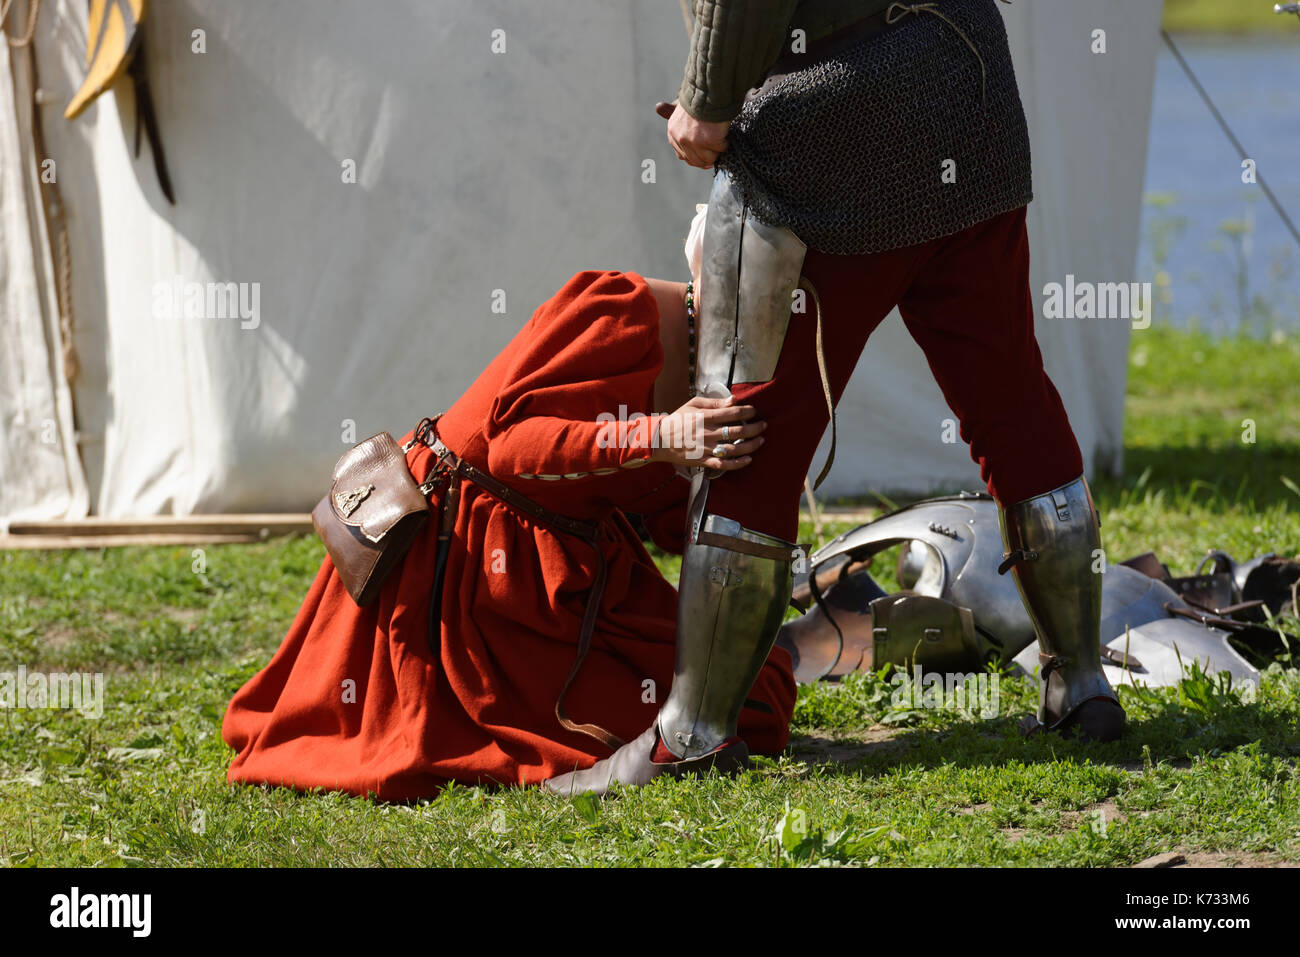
(450, 465)
(448, 461)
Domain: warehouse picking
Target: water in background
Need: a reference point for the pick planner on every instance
(1220, 255)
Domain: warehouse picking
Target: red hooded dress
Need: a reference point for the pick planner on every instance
(354, 700)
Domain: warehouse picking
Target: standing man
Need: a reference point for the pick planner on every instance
(869, 154)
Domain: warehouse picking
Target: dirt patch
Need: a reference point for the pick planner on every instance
(1235, 859)
(845, 746)
(1095, 815)
(60, 636)
(186, 616)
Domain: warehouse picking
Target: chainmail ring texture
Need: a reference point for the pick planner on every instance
(850, 152)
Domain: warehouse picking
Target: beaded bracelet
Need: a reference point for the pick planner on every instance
(690, 336)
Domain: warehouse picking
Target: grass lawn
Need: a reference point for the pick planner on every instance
(1227, 16)
(865, 781)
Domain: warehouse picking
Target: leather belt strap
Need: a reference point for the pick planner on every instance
(451, 464)
(1214, 621)
(745, 547)
(499, 490)
(826, 384)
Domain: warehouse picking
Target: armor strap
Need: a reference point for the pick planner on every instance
(1120, 659)
(1046, 665)
(745, 547)
(826, 382)
(1015, 557)
(780, 553)
(1212, 621)
(448, 509)
(820, 600)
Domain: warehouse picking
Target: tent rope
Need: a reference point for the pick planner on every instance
(26, 39)
(1223, 125)
(60, 251)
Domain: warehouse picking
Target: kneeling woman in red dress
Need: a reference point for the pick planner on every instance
(365, 700)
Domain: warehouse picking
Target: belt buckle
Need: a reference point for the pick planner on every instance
(437, 477)
(442, 468)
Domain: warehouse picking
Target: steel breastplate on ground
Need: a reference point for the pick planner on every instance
(1159, 645)
(953, 546)
(955, 551)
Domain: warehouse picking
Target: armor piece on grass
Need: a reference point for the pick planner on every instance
(1161, 650)
(953, 552)
(910, 629)
(951, 548)
(834, 638)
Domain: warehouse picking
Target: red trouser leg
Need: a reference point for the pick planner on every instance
(966, 301)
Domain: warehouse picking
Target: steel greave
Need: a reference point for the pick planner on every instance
(729, 609)
(1060, 538)
(748, 276)
(730, 603)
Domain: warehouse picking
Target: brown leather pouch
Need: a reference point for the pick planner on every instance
(371, 515)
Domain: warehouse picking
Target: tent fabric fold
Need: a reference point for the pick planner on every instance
(370, 207)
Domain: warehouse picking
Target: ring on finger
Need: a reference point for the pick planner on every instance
(720, 450)
(726, 433)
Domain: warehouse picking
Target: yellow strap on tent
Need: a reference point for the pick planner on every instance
(113, 33)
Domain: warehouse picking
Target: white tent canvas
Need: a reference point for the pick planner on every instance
(496, 148)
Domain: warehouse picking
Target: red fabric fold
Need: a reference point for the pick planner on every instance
(354, 699)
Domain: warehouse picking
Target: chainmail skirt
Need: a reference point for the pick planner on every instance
(897, 140)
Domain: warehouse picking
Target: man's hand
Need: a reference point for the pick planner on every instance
(694, 141)
(717, 434)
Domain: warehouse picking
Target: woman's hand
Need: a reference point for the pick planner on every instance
(716, 434)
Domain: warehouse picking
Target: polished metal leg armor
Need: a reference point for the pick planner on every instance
(748, 276)
(735, 586)
(735, 582)
(1052, 542)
